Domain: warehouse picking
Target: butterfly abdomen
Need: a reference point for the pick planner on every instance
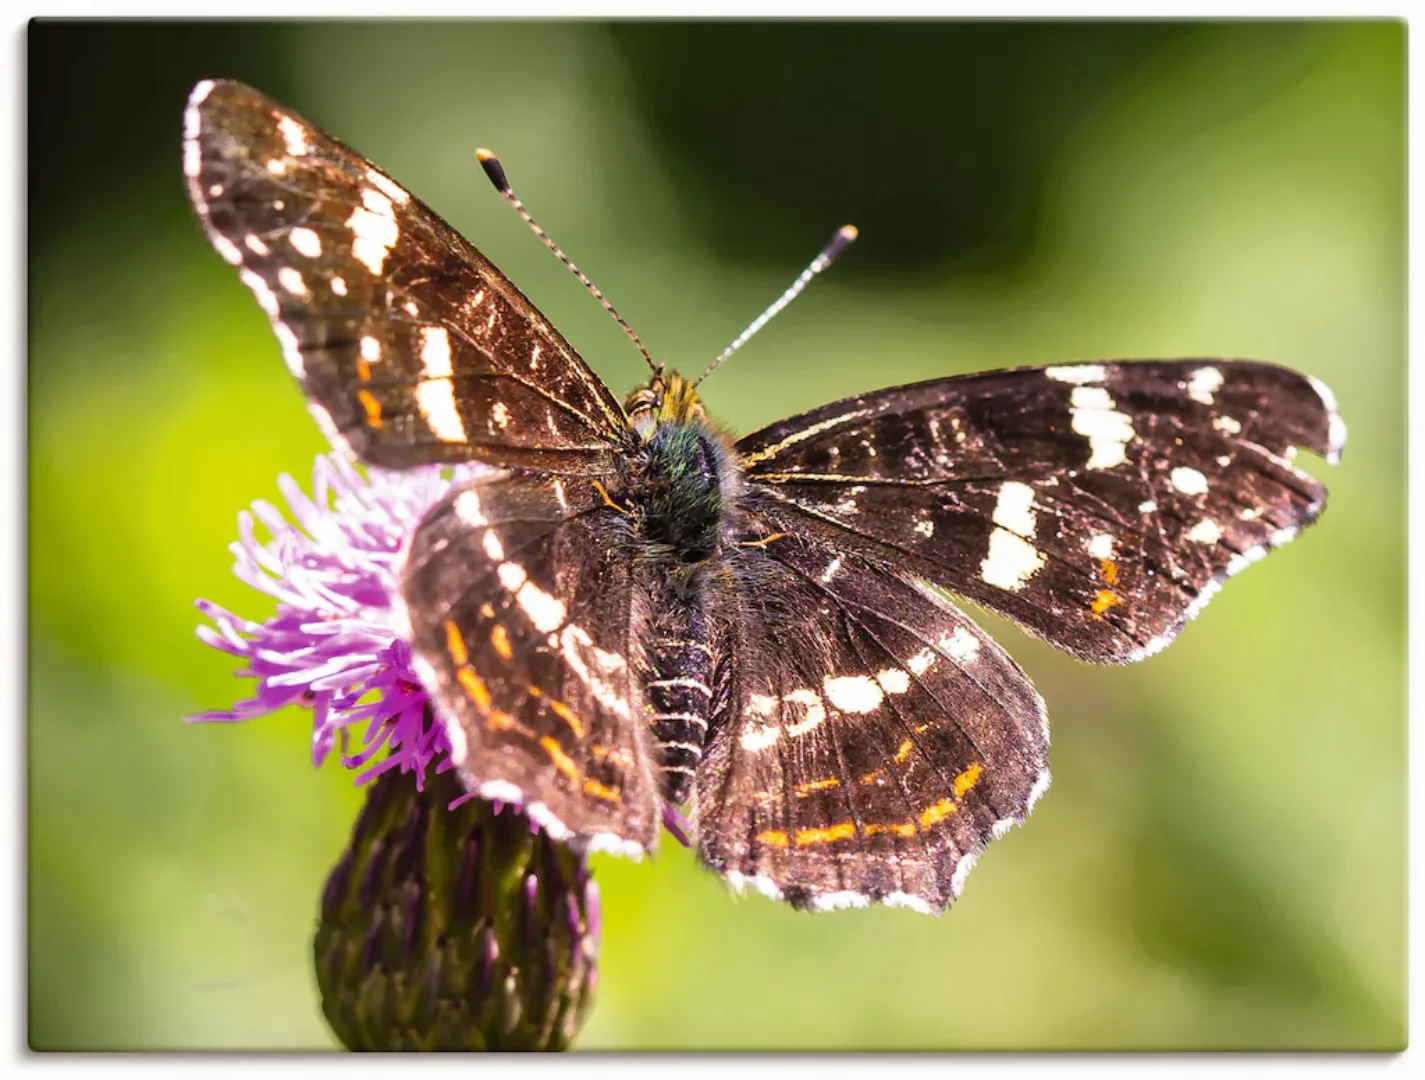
(679, 687)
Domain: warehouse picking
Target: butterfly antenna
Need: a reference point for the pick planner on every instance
(496, 172)
(828, 255)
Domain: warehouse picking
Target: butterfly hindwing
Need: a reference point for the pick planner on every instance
(521, 602)
(881, 739)
(411, 346)
(1099, 505)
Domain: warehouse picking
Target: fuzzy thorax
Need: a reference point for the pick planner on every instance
(682, 479)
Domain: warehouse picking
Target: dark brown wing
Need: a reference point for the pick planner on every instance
(1098, 505)
(521, 602)
(878, 739)
(411, 347)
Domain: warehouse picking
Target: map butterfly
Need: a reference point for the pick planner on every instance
(631, 608)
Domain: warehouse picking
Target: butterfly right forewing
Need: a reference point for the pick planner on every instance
(411, 347)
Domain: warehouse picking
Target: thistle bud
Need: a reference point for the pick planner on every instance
(454, 929)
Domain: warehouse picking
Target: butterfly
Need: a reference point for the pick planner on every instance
(630, 608)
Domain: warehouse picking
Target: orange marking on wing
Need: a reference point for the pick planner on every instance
(475, 687)
(608, 499)
(618, 757)
(904, 751)
(968, 779)
(501, 640)
(486, 611)
(455, 645)
(874, 777)
(363, 369)
(599, 791)
(774, 837)
(1105, 599)
(562, 761)
(827, 835)
(904, 828)
(372, 407)
(565, 713)
(765, 540)
(938, 812)
(499, 720)
(802, 790)
(1109, 569)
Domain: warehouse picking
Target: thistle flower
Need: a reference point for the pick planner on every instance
(447, 924)
(333, 643)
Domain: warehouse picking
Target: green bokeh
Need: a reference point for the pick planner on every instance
(1220, 862)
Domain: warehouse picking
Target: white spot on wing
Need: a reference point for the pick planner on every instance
(1203, 383)
(1188, 480)
(294, 135)
(893, 680)
(1335, 426)
(1093, 415)
(291, 280)
(1011, 561)
(920, 663)
(1076, 373)
(493, 547)
(500, 413)
(435, 352)
(1014, 508)
(1226, 424)
(256, 245)
(962, 871)
(836, 901)
(815, 711)
(545, 612)
(755, 739)
(328, 426)
(1205, 531)
(339, 285)
(961, 645)
(393, 190)
(291, 352)
(1037, 791)
(854, 693)
(306, 241)
(468, 510)
(436, 400)
(1148, 507)
(266, 298)
(374, 233)
(1100, 545)
(906, 900)
(370, 349)
(615, 845)
(227, 249)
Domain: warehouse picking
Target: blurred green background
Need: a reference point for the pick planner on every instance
(1220, 862)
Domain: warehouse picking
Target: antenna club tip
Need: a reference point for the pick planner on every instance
(493, 169)
(848, 232)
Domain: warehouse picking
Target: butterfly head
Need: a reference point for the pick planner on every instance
(667, 398)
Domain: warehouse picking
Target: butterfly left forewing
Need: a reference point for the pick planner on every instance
(880, 742)
(412, 347)
(1099, 505)
(523, 607)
